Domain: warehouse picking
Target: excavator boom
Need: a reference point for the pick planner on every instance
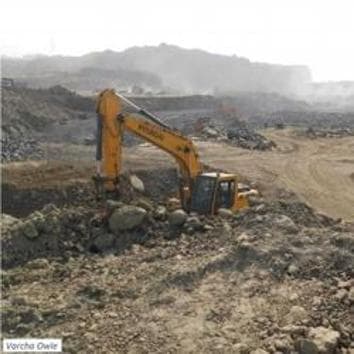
(178, 146)
(148, 127)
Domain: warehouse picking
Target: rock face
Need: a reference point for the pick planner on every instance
(177, 218)
(225, 213)
(126, 218)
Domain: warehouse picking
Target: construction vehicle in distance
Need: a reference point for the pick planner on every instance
(201, 192)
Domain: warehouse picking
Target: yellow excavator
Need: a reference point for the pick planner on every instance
(200, 192)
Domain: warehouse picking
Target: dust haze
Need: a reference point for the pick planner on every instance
(132, 253)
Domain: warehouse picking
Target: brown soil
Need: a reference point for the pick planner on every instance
(236, 285)
(318, 171)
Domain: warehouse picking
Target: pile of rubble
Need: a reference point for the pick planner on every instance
(135, 269)
(240, 135)
(20, 149)
(27, 114)
(310, 118)
(249, 139)
(314, 133)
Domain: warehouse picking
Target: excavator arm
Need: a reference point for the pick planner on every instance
(180, 147)
(175, 144)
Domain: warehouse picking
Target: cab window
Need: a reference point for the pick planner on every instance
(203, 193)
(225, 194)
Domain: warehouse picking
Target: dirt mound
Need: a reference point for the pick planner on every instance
(314, 133)
(313, 118)
(274, 274)
(20, 149)
(231, 130)
(27, 188)
(26, 113)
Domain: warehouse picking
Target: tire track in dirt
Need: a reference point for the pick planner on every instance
(319, 171)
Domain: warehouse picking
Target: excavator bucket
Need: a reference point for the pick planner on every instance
(100, 184)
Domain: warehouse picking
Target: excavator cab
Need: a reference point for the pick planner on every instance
(213, 191)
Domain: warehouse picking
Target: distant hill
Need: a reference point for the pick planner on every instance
(164, 67)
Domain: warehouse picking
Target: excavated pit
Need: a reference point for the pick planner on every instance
(257, 282)
(22, 202)
(27, 188)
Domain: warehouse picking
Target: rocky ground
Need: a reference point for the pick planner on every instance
(317, 120)
(20, 148)
(314, 133)
(132, 275)
(28, 114)
(239, 135)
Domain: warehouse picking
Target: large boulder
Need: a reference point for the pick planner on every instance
(259, 351)
(137, 183)
(210, 132)
(103, 242)
(225, 213)
(29, 230)
(177, 218)
(173, 204)
(351, 295)
(194, 223)
(325, 339)
(111, 205)
(306, 346)
(145, 204)
(7, 221)
(126, 218)
(160, 212)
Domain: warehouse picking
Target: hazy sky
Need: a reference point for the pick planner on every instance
(317, 33)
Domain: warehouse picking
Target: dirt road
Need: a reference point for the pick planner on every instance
(320, 172)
